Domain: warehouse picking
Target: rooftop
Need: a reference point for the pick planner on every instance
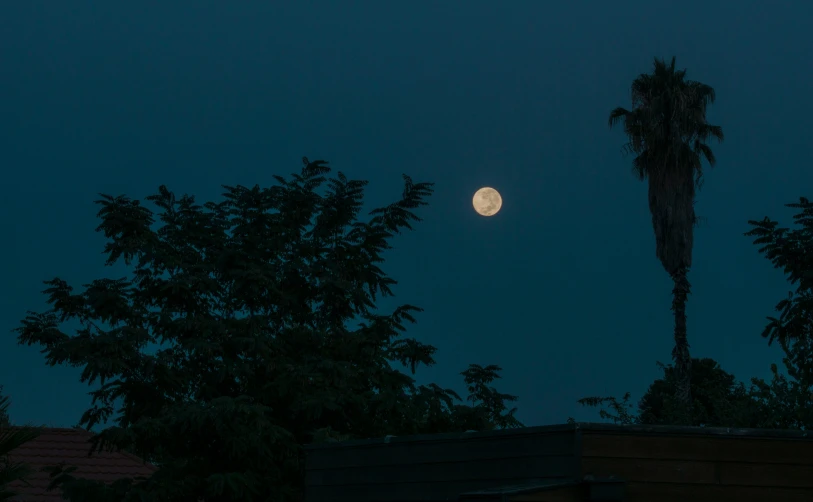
(55, 446)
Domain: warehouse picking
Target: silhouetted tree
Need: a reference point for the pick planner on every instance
(12, 438)
(719, 400)
(668, 134)
(788, 400)
(249, 328)
(790, 250)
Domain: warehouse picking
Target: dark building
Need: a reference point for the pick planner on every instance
(568, 463)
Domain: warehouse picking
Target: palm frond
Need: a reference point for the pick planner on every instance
(668, 132)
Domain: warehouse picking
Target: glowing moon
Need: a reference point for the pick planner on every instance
(487, 201)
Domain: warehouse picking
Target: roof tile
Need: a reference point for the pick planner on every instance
(55, 446)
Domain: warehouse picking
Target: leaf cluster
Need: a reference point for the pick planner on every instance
(791, 251)
(788, 399)
(667, 124)
(668, 134)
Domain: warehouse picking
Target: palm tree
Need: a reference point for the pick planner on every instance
(668, 134)
(10, 439)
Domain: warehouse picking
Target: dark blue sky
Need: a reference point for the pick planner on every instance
(561, 288)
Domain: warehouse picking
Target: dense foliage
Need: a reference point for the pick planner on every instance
(719, 400)
(790, 250)
(11, 438)
(668, 133)
(786, 402)
(249, 328)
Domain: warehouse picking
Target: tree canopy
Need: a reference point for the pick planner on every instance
(788, 398)
(248, 328)
(791, 251)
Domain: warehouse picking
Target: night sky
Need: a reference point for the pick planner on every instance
(561, 288)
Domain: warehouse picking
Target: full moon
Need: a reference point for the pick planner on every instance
(487, 201)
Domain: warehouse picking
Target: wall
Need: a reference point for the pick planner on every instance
(713, 465)
(438, 467)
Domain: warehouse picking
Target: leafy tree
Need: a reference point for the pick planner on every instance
(668, 134)
(12, 438)
(788, 400)
(790, 250)
(719, 400)
(249, 328)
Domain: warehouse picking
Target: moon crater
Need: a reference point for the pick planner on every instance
(487, 201)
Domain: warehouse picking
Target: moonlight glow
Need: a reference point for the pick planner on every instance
(487, 201)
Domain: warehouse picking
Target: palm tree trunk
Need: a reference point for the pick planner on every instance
(680, 353)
